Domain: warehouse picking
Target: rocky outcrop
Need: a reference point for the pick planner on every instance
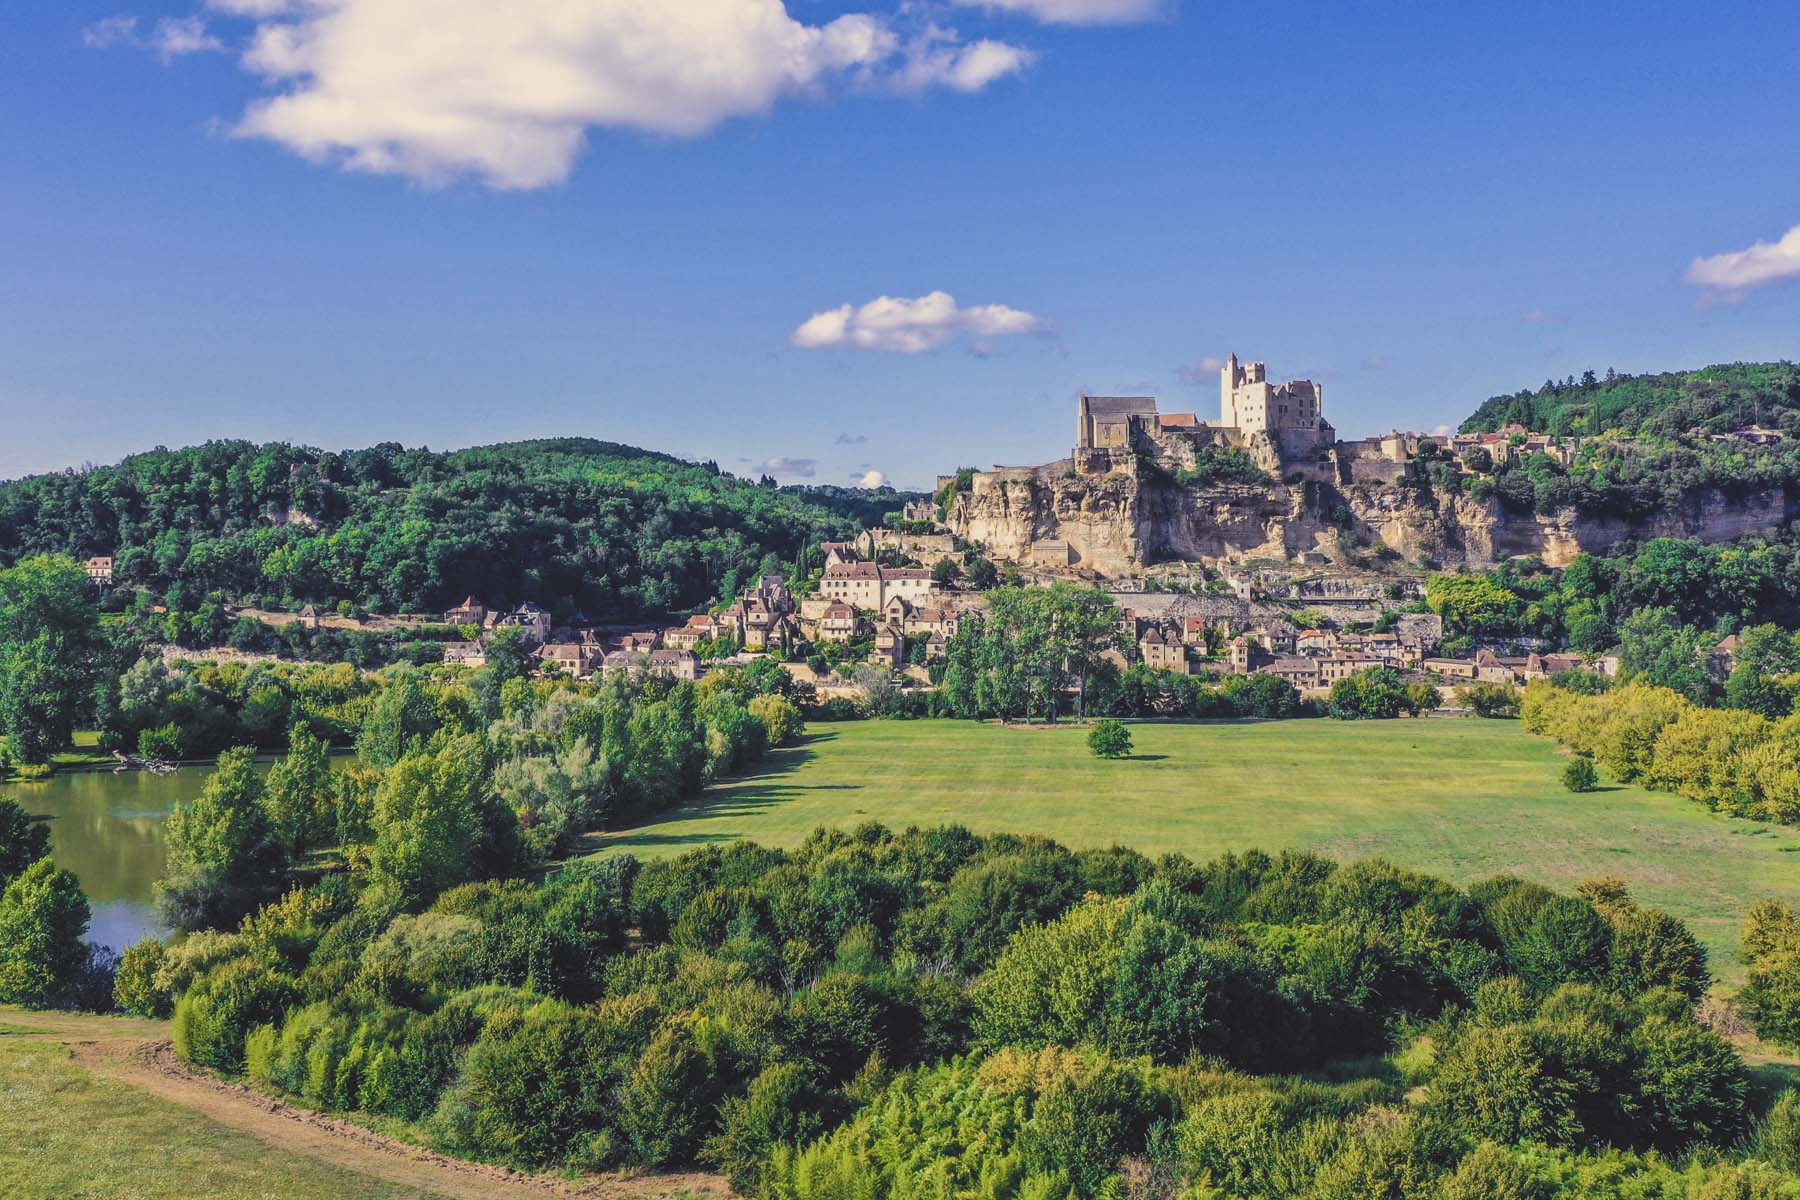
(1118, 522)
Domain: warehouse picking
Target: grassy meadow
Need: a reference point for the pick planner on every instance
(70, 1132)
(1460, 798)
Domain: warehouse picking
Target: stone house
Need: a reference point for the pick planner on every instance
(1298, 670)
(839, 553)
(1333, 667)
(470, 612)
(1450, 668)
(1163, 652)
(682, 664)
(465, 654)
(641, 642)
(534, 620)
(1722, 658)
(839, 623)
(1316, 641)
(99, 570)
(869, 586)
(890, 646)
(309, 617)
(778, 635)
(936, 646)
(565, 658)
(683, 637)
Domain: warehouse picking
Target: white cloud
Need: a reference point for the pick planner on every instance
(870, 479)
(1079, 12)
(791, 468)
(1728, 276)
(171, 38)
(438, 89)
(113, 31)
(1203, 373)
(899, 326)
(176, 36)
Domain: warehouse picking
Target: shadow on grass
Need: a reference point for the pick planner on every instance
(1145, 757)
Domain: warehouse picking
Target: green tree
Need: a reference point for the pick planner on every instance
(49, 641)
(224, 859)
(1109, 739)
(1579, 775)
(431, 821)
(22, 840)
(43, 917)
(297, 795)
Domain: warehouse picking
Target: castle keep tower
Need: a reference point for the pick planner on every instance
(1292, 414)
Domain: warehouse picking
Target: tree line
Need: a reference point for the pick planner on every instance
(570, 523)
(839, 1019)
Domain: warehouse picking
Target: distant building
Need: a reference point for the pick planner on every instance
(470, 612)
(99, 571)
(309, 617)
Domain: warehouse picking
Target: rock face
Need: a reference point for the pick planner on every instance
(1118, 522)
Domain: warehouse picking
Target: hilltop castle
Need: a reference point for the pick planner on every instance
(1277, 424)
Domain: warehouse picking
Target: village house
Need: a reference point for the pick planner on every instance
(683, 637)
(1163, 652)
(839, 623)
(777, 636)
(470, 612)
(926, 621)
(679, 664)
(839, 553)
(642, 642)
(1298, 670)
(565, 658)
(1193, 631)
(531, 618)
(890, 646)
(309, 618)
(465, 654)
(1240, 656)
(936, 646)
(99, 570)
(1333, 667)
(1316, 641)
(1450, 668)
(869, 586)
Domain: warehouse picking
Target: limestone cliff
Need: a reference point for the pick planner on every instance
(1116, 523)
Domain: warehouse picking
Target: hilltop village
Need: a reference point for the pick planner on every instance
(1270, 482)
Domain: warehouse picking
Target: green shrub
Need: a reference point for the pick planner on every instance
(135, 988)
(218, 1012)
(1109, 739)
(1579, 775)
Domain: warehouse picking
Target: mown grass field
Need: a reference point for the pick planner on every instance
(1460, 798)
(68, 1132)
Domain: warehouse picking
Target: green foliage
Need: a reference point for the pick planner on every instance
(1716, 399)
(223, 856)
(215, 1016)
(43, 917)
(22, 840)
(1109, 739)
(1579, 774)
(1491, 700)
(1220, 464)
(1472, 604)
(431, 821)
(135, 988)
(1377, 693)
(1033, 645)
(49, 637)
(613, 530)
(1771, 994)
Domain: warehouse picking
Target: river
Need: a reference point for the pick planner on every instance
(108, 829)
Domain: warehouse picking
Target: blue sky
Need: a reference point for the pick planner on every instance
(616, 224)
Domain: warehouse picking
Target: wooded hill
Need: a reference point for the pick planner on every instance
(571, 523)
(1715, 399)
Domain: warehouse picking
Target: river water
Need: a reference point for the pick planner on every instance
(108, 829)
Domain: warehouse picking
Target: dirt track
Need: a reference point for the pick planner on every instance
(116, 1049)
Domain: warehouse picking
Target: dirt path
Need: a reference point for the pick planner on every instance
(119, 1049)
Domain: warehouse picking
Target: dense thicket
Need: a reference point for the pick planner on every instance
(570, 523)
(1714, 400)
(1001, 1015)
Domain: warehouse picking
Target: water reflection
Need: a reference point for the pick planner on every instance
(108, 829)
